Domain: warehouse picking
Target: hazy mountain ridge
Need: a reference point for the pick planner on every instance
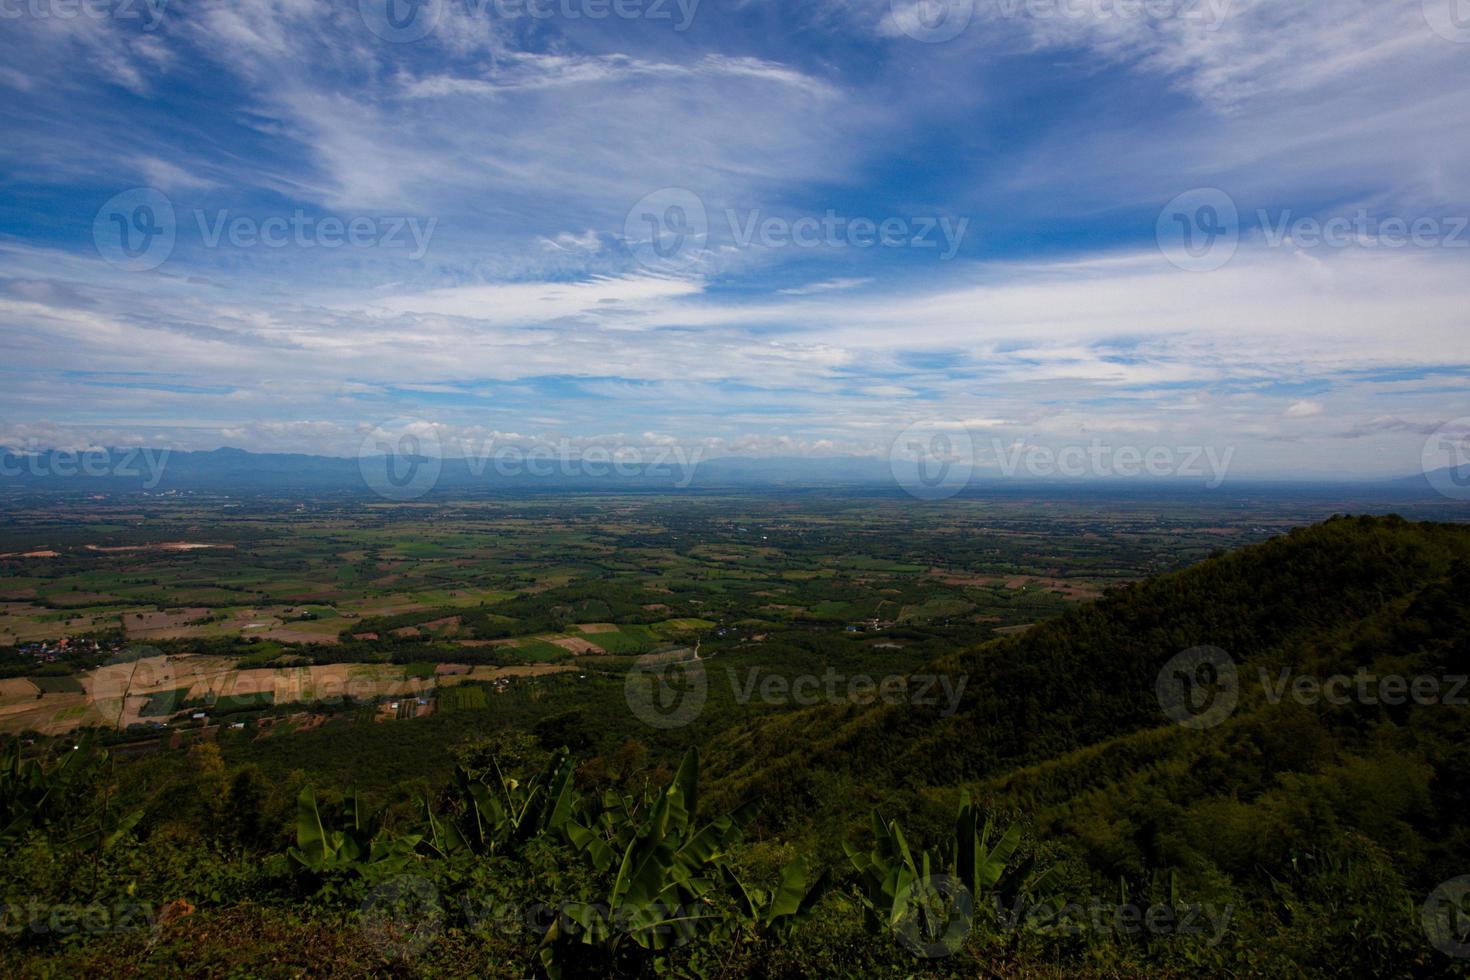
(226, 469)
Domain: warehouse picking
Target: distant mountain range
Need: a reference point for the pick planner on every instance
(403, 478)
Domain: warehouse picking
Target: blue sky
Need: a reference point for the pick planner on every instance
(752, 227)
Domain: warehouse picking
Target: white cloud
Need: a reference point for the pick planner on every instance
(825, 286)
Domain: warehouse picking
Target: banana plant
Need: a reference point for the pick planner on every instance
(27, 792)
(888, 873)
(777, 914)
(982, 868)
(34, 798)
(916, 894)
(665, 874)
(486, 819)
(357, 845)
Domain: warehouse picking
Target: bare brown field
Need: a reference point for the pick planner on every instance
(297, 634)
(118, 693)
(574, 644)
(163, 625)
(164, 546)
(54, 714)
(593, 628)
(16, 687)
(945, 577)
(1072, 590)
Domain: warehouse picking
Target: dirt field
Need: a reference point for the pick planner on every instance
(118, 693)
(593, 628)
(945, 577)
(165, 546)
(17, 688)
(575, 644)
(162, 625)
(1072, 590)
